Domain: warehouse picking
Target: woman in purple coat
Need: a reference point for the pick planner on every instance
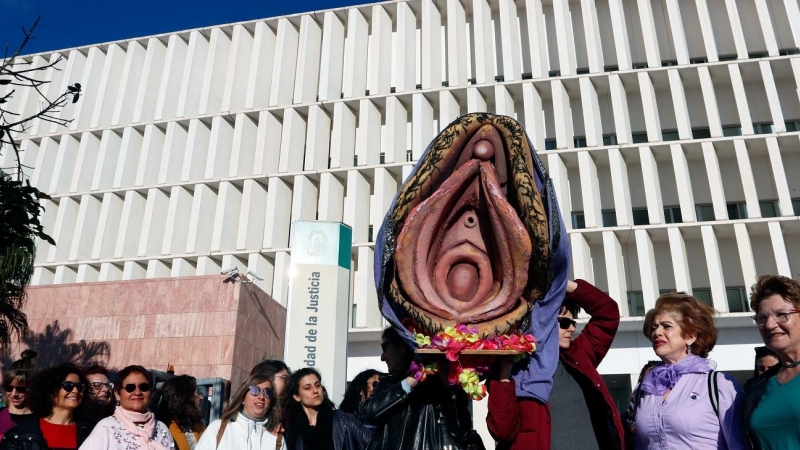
(676, 406)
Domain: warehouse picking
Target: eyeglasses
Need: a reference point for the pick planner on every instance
(98, 386)
(68, 386)
(255, 391)
(779, 316)
(565, 322)
(20, 389)
(130, 387)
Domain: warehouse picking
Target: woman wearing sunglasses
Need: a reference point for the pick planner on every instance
(771, 409)
(313, 423)
(16, 381)
(250, 421)
(58, 393)
(132, 426)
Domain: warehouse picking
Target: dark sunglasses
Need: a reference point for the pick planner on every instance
(99, 386)
(68, 386)
(130, 387)
(255, 391)
(564, 323)
(20, 389)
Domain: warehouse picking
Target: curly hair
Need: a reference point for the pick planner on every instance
(694, 318)
(769, 285)
(21, 372)
(46, 385)
(356, 390)
(292, 407)
(96, 369)
(176, 403)
(235, 405)
(130, 370)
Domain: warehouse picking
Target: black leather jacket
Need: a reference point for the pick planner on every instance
(348, 433)
(432, 416)
(28, 436)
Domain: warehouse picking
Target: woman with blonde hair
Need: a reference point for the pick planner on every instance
(676, 404)
(250, 422)
(17, 381)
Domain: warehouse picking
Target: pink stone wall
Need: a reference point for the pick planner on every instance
(202, 326)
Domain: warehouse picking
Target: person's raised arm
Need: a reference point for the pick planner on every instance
(598, 334)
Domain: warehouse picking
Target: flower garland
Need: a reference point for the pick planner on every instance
(453, 341)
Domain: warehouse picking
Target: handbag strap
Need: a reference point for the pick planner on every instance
(221, 431)
(279, 442)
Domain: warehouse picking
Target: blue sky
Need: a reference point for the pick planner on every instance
(74, 23)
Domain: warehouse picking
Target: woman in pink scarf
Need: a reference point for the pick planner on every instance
(132, 426)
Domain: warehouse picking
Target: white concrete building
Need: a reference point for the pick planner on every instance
(669, 126)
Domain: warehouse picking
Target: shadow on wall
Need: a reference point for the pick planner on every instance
(55, 346)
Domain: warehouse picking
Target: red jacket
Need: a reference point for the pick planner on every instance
(522, 423)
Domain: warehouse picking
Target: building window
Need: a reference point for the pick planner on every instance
(611, 68)
(796, 206)
(582, 71)
(353, 315)
(672, 214)
(639, 65)
(703, 295)
(729, 57)
(369, 233)
(731, 130)
(609, 218)
(550, 144)
(554, 73)
(578, 220)
(705, 213)
(737, 211)
(737, 299)
(639, 137)
(755, 55)
(792, 125)
(669, 62)
(609, 139)
(701, 133)
(579, 141)
(698, 60)
(383, 158)
(789, 51)
(355, 160)
(527, 76)
(670, 135)
(640, 216)
(635, 303)
(769, 208)
(500, 78)
(763, 128)
(409, 155)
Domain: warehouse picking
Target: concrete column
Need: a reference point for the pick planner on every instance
(537, 38)
(216, 68)
(581, 258)
(318, 138)
(192, 79)
(736, 29)
(88, 274)
(457, 52)
(82, 174)
(65, 275)
(220, 147)
(504, 102)
(207, 265)
(564, 37)
(356, 203)
(130, 149)
(710, 101)
(114, 81)
(421, 125)
(173, 155)
(746, 260)
(678, 34)
(355, 55)
(590, 190)
(130, 225)
(405, 55)
(279, 209)
(343, 136)
(748, 181)
(772, 97)
(85, 228)
(591, 29)
(304, 200)
(650, 107)
(64, 165)
(309, 54)
(615, 271)
(620, 34)
(679, 103)
(395, 134)
(293, 140)
(150, 157)
(715, 181)
(534, 115)
(283, 74)
(331, 198)
(259, 78)
(767, 28)
(380, 74)
(558, 173)
(280, 283)
(384, 186)
(253, 215)
(179, 211)
(484, 38)
(563, 115)
(680, 260)
(620, 187)
(168, 89)
(648, 272)
(510, 39)
(779, 177)
(431, 58)
(268, 144)
(652, 186)
(683, 182)
(475, 100)
(706, 28)
(331, 58)
(92, 76)
(196, 153)
(649, 33)
(740, 94)
(158, 269)
(779, 248)
(368, 134)
(151, 236)
(716, 277)
(243, 151)
(108, 226)
(182, 267)
(591, 113)
(204, 204)
(793, 14)
(619, 103)
(238, 70)
(450, 110)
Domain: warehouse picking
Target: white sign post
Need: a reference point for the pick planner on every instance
(319, 298)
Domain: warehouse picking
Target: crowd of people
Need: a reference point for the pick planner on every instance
(681, 401)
